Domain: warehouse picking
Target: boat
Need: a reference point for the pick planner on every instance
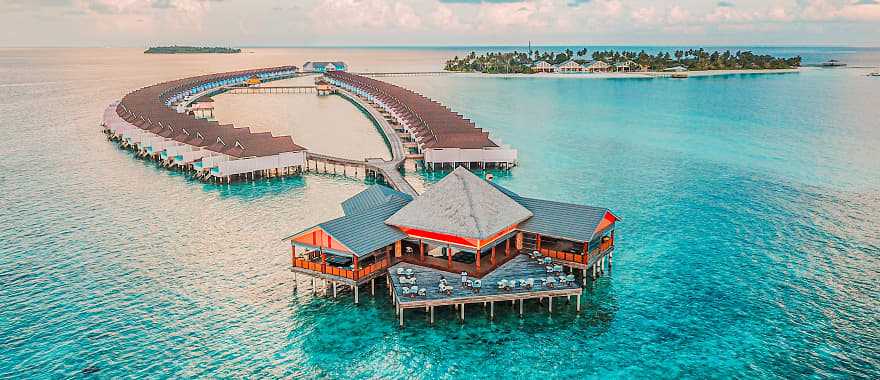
(875, 74)
(679, 75)
(832, 63)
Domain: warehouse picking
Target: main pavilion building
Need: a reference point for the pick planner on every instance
(462, 224)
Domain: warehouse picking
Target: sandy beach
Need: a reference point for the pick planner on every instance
(327, 124)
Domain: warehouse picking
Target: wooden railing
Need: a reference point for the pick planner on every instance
(577, 257)
(567, 256)
(340, 272)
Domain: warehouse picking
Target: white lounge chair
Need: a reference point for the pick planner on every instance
(502, 284)
(423, 292)
(409, 272)
(400, 271)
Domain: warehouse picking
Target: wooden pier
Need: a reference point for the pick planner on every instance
(405, 73)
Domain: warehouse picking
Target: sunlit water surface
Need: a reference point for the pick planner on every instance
(749, 246)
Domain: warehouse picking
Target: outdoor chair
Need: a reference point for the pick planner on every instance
(423, 292)
(405, 290)
(409, 272)
(400, 271)
(502, 284)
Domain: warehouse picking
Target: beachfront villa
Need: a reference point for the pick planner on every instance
(574, 66)
(464, 241)
(598, 67)
(323, 67)
(569, 66)
(543, 67)
(629, 66)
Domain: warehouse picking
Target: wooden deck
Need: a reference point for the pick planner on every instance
(442, 264)
(520, 267)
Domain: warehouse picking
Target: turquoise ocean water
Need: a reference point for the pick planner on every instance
(749, 246)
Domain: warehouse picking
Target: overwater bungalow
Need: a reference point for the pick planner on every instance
(503, 246)
(323, 67)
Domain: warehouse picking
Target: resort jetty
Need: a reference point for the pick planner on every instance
(170, 122)
(464, 241)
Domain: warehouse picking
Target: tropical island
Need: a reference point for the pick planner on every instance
(174, 49)
(616, 61)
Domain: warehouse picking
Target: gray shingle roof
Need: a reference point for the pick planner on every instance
(365, 231)
(561, 220)
(371, 197)
(461, 204)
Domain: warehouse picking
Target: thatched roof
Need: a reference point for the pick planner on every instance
(461, 204)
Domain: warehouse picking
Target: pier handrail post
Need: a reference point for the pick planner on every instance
(355, 271)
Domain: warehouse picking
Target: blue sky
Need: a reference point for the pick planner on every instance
(139, 23)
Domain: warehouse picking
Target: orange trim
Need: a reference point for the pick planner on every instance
(315, 238)
(493, 238)
(607, 220)
(436, 236)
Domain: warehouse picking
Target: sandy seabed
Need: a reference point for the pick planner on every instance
(323, 124)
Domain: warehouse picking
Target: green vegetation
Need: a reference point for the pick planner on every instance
(190, 50)
(692, 59)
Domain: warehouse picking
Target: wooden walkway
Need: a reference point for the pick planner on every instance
(389, 169)
(405, 73)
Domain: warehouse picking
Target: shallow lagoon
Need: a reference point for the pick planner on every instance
(749, 244)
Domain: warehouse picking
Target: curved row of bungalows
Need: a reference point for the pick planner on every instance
(199, 85)
(441, 135)
(145, 121)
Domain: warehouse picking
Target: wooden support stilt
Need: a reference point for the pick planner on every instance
(492, 310)
(334, 288)
(355, 288)
(432, 315)
(462, 312)
(520, 307)
(550, 304)
(373, 286)
(579, 303)
(401, 316)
